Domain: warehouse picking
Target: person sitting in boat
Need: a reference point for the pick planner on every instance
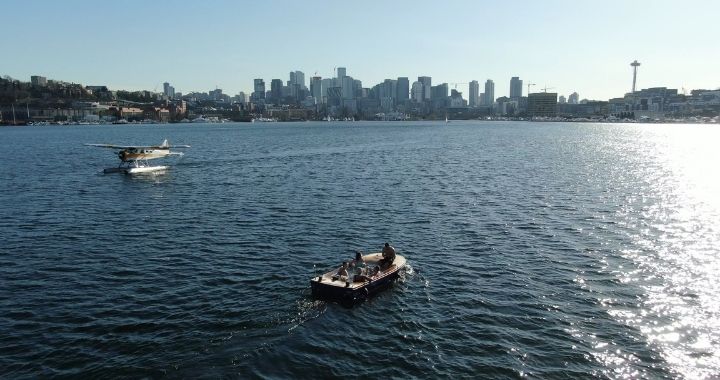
(360, 268)
(342, 272)
(388, 254)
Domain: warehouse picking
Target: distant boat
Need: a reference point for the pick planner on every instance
(446, 119)
(263, 120)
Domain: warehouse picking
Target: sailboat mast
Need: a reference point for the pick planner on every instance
(13, 109)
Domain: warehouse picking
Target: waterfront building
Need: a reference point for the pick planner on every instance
(562, 99)
(542, 104)
(474, 88)
(37, 80)
(386, 103)
(515, 88)
(403, 89)
(489, 93)
(574, 98)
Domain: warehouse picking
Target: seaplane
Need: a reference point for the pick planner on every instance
(134, 158)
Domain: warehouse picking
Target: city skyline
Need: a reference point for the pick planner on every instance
(557, 45)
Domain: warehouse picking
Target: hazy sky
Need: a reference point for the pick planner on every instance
(583, 46)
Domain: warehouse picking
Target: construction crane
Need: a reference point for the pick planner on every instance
(547, 88)
(529, 84)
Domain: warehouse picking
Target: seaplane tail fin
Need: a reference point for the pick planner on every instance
(165, 144)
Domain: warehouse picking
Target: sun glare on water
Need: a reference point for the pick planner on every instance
(677, 249)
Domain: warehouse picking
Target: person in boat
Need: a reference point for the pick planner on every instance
(360, 268)
(342, 272)
(388, 254)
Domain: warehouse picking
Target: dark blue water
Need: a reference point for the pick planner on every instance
(535, 249)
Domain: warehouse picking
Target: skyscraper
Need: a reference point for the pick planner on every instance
(427, 87)
(474, 93)
(403, 89)
(298, 78)
(347, 84)
(258, 89)
(316, 88)
(515, 88)
(574, 98)
(440, 91)
(341, 72)
(417, 92)
(489, 92)
(276, 89)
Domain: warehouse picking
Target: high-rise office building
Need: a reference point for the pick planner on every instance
(258, 89)
(574, 98)
(341, 72)
(297, 78)
(316, 88)
(427, 87)
(440, 91)
(474, 89)
(276, 87)
(347, 85)
(515, 88)
(489, 93)
(403, 89)
(417, 92)
(562, 100)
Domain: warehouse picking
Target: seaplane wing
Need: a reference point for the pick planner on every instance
(112, 146)
(164, 145)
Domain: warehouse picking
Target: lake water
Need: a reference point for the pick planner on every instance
(545, 250)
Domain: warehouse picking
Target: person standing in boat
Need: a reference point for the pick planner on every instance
(388, 254)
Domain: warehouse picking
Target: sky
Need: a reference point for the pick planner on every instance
(566, 46)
